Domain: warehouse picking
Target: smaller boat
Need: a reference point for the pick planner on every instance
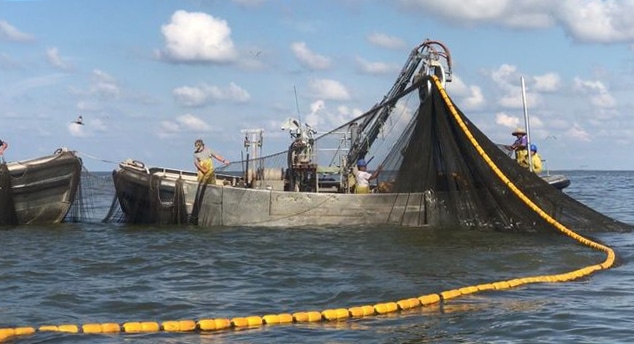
(40, 190)
(559, 181)
(159, 195)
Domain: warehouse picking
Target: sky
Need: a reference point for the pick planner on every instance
(149, 77)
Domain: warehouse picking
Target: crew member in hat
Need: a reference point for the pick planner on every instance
(363, 177)
(519, 146)
(204, 164)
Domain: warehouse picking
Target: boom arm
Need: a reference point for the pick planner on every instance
(429, 53)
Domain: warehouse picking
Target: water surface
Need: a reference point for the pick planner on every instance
(93, 272)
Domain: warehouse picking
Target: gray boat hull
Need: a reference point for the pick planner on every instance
(151, 196)
(230, 206)
(40, 190)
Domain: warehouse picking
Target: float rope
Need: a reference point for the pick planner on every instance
(97, 159)
(339, 314)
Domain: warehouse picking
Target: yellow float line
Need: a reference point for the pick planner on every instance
(340, 314)
(609, 261)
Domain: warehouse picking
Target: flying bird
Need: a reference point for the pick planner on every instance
(79, 120)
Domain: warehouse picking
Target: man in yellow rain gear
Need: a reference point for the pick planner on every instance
(535, 158)
(204, 164)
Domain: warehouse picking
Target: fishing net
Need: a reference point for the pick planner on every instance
(8, 215)
(92, 190)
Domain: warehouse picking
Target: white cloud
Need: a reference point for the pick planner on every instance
(76, 130)
(377, 67)
(516, 13)
(170, 126)
(186, 122)
(475, 99)
(196, 37)
(322, 118)
(97, 124)
(598, 21)
(249, 3)
(53, 58)
(578, 133)
(535, 122)
(596, 91)
(386, 41)
(471, 96)
(313, 119)
(508, 80)
(104, 85)
(549, 82)
(506, 120)
(328, 89)
(309, 59)
(602, 21)
(191, 122)
(167, 129)
(10, 33)
(190, 96)
(349, 113)
(235, 93)
(206, 94)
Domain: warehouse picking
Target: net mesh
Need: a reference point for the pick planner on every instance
(92, 190)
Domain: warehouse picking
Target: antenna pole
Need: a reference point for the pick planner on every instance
(528, 128)
(299, 115)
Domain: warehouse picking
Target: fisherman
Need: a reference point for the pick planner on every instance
(536, 159)
(519, 146)
(363, 177)
(204, 164)
(3, 146)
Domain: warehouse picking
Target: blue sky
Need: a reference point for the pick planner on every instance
(151, 76)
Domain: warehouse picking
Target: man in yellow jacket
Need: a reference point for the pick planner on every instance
(535, 158)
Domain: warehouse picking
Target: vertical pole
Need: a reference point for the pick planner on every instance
(528, 127)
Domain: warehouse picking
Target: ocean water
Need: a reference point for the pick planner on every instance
(91, 272)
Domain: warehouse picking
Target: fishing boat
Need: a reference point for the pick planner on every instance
(167, 196)
(39, 190)
(437, 169)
